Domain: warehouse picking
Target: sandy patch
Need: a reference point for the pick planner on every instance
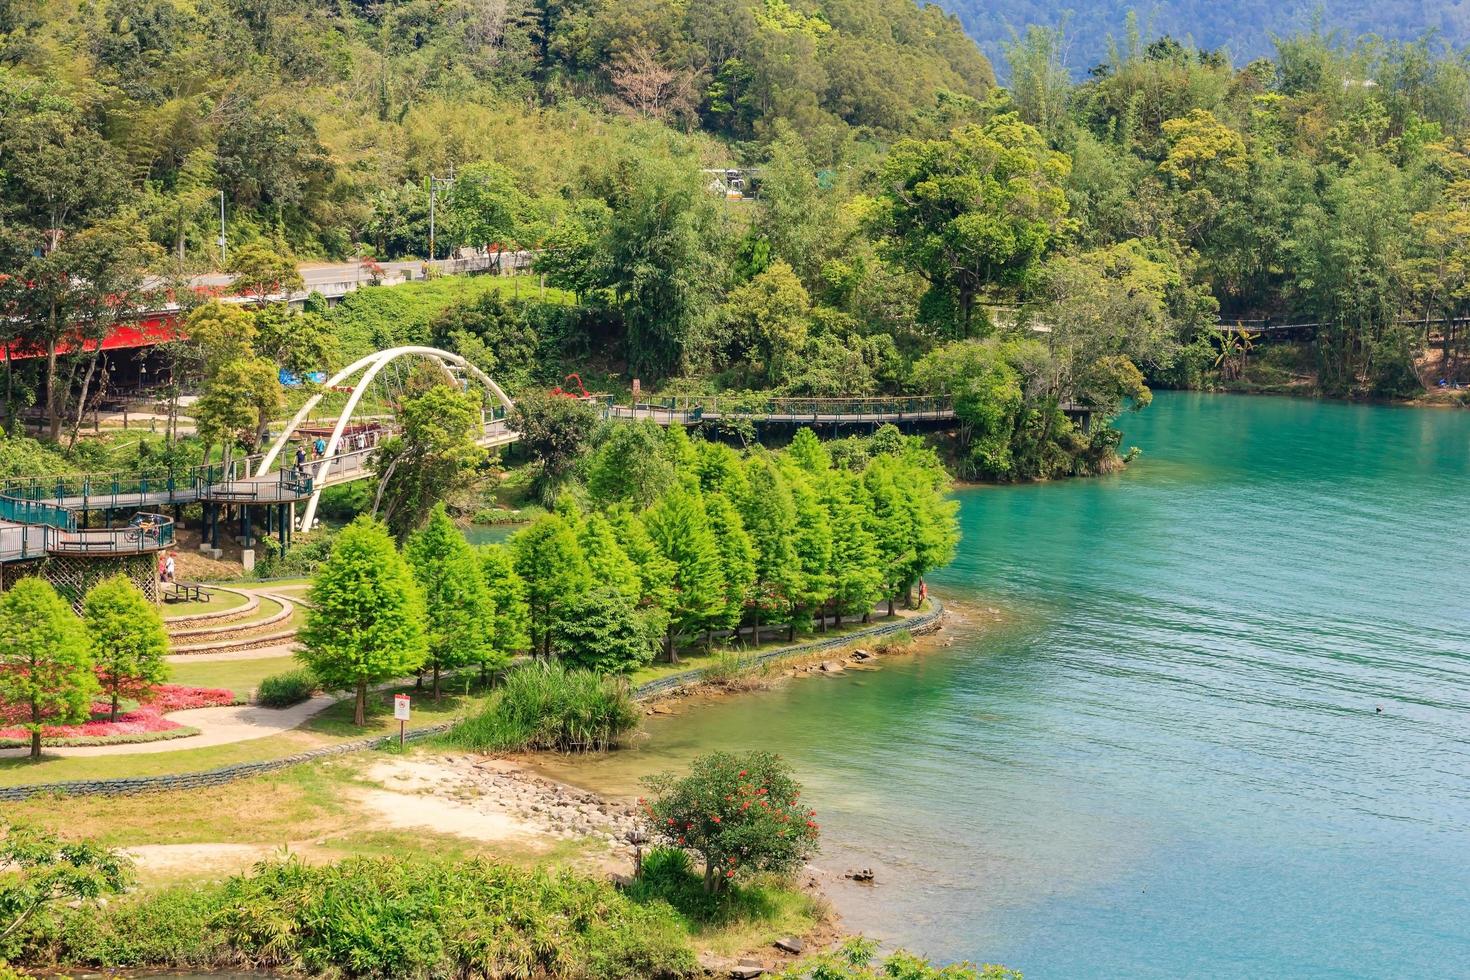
(194, 859)
(424, 794)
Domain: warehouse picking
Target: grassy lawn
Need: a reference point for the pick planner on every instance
(220, 602)
(455, 703)
(240, 676)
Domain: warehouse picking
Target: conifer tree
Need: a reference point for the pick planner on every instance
(549, 559)
(460, 614)
(655, 572)
(812, 543)
(365, 623)
(737, 559)
(770, 520)
(45, 666)
(512, 632)
(678, 525)
(720, 469)
(607, 563)
(857, 582)
(128, 640)
(601, 632)
(807, 451)
(890, 520)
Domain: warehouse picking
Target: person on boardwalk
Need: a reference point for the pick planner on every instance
(300, 460)
(320, 446)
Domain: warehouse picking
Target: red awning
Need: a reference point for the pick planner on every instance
(147, 332)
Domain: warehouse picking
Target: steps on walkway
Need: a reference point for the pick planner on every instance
(211, 616)
(230, 636)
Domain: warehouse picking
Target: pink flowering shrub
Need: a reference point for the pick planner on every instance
(147, 719)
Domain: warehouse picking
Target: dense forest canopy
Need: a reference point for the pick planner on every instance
(1241, 29)
(1042, 253)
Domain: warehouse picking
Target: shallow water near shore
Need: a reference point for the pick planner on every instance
(1165, 759)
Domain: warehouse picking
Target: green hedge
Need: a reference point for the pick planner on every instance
(381, 917)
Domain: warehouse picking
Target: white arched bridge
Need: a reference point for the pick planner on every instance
(49, 516)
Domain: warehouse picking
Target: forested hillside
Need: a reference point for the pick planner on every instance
(1241, 29)
(1039, 253)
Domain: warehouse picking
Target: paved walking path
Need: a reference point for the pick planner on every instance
(217, 726)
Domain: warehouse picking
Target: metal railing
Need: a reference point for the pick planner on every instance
(21, 541)
(133, 539)
(692, 408)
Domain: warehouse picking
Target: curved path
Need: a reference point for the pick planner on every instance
(217, 726)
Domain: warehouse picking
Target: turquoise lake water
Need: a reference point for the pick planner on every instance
(1161, 756)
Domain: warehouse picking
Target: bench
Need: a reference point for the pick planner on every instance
(187, 591)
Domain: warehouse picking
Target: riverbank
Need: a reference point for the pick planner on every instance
(432, 801)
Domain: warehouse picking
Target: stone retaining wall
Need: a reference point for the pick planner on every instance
(915, 625)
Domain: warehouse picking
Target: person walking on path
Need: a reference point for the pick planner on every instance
(320, 446)
(168, 568)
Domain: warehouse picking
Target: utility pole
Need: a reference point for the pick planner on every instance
(434, 184)
(222, 260)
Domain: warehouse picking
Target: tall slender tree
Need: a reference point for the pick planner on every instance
(365, 623)
(460, 613)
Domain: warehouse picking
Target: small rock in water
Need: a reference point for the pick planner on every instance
(861, 655)
(860, 874)
(831, 667)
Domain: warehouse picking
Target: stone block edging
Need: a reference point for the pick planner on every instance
(123, 786)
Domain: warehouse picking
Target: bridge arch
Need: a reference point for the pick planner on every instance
(368, 367)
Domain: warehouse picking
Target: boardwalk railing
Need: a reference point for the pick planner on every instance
(694, 408)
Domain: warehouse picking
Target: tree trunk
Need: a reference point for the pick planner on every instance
(36, 744)
(113, 715)
(436, 680)
(359, 711)
(709, 876)
(669, 650)
(755, 629)
(82, 402)
(890, 605)
(53, 405)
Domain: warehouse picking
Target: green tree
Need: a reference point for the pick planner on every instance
(46, 673)
(434, 456)
(554, 430)
(128, 639)
(890, 521)
(365, 622)
(549, 560)
(739, 813)
(629, 465)
(679, 527)
(460, 620)
(855, 569)
(486, 207)
(770, 315)
(737, 559)
(512, 632)
(974, 211)
(770, 520)
(601, 631)
(262, 272)
(607, 563)
(42, 869)
(812, 543)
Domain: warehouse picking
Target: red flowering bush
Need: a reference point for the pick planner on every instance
(147, 719)
(738, 812)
